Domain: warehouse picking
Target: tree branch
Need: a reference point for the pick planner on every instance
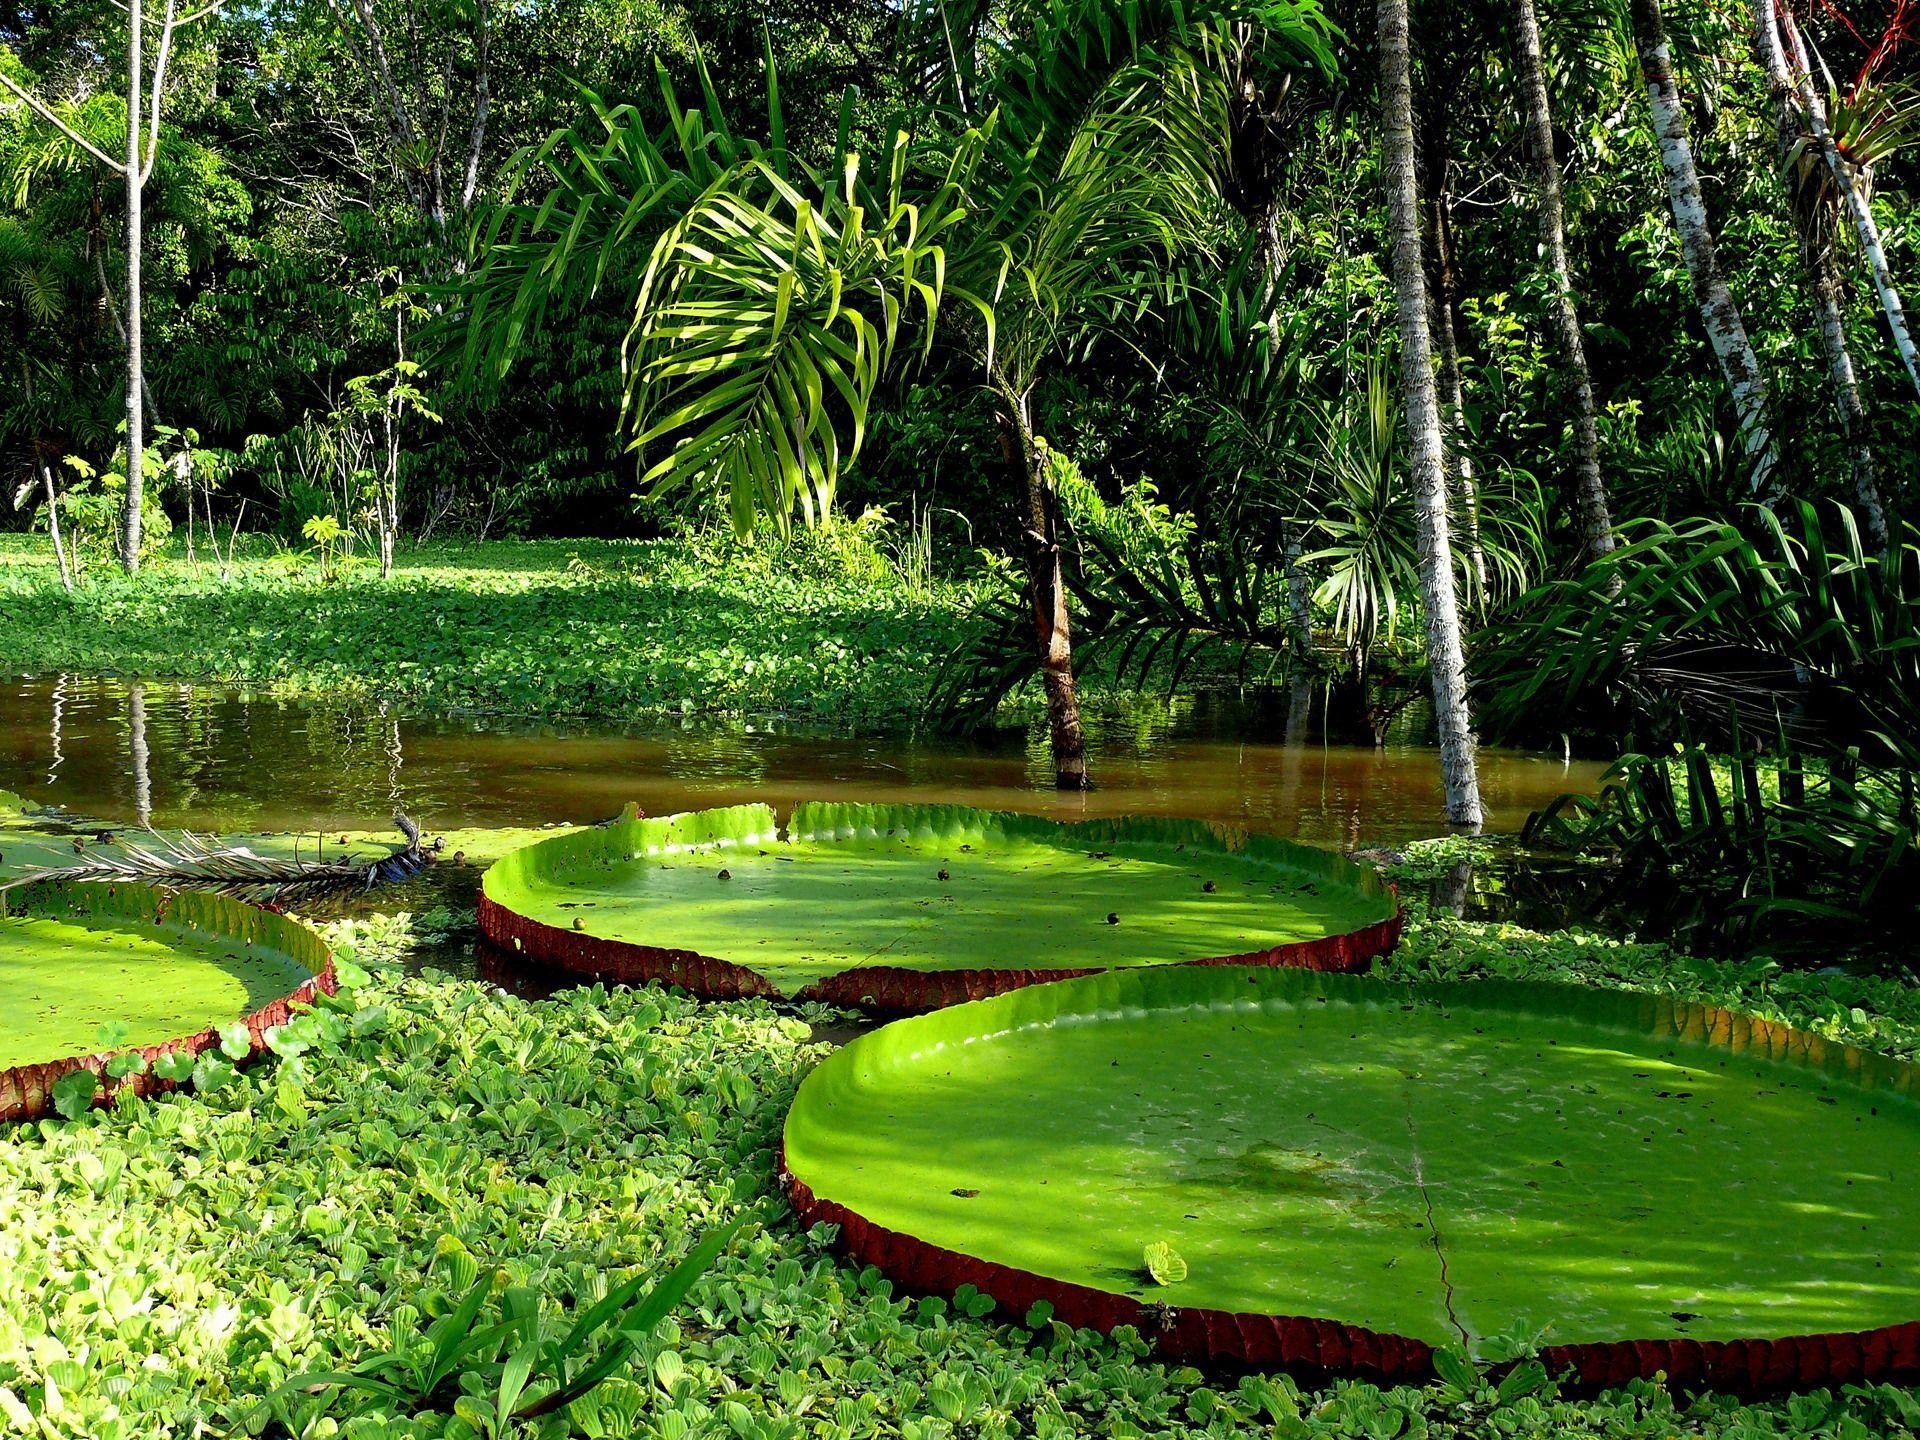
(45, 112)
(158, 88)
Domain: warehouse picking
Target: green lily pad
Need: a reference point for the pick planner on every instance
(1441, 1162)
(86, 969)
(850, 890)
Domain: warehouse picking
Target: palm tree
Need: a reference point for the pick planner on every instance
(1718, 312)
(1005, 224)
(1426, 443)
(1894, 120)
(1814, 202)
(1596, 519)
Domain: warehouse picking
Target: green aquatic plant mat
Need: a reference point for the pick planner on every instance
(88, 971)
(1285, 1167)
(906, 907)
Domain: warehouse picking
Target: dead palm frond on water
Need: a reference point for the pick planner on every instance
(183, 860)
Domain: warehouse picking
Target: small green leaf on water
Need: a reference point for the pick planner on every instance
(73, 1093)
(1163, 1264)
(212, 1071)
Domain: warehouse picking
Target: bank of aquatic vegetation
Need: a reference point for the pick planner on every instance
(171, 1262)
(823, 628)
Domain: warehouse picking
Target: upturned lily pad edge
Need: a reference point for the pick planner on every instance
(26, 1090)
(1314, 1348)
(884, 990)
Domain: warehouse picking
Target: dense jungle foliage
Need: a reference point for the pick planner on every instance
(1542, 366)
(1393, 350)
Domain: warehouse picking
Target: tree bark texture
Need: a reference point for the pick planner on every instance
(1718, 313)
(1590, 490)
(1426, 459)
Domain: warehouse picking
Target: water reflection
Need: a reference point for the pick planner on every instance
(213, 759)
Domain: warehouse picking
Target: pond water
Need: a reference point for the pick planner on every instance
(213, 760)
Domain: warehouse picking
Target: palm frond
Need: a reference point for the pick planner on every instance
(183, 860)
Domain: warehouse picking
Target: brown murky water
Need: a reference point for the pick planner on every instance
(215, 759)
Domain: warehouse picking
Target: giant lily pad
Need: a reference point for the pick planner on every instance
(1342, 1174)
(89, 972)
(908, 907)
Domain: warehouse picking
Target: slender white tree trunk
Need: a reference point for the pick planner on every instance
(1590, 491)
(1453, 399)
(1299, 588)
(1426, 446)
(1718, 313)
(53, 527)
(1437, 239)
(1807, 203)
(1823, 275)
(1853, 196)
(130, 538)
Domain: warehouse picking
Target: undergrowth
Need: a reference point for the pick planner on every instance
(170, 1262)
(581, 627)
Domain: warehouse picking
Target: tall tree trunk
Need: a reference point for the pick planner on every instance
(1590, 491)
(1445, 656)
(1823, 278)
(1721, 317)
(1436, 207)
(130, 538)
(1453, 400)
(1047, 591)
(1852, 196)
(1808, 202)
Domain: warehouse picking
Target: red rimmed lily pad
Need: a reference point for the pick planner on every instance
(904, 908)
(160, 972)
(1341, 1174)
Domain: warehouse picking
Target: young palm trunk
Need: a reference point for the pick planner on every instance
(1427, 460)
(130, 537)
(1453, 399)
(1852, 196)
(1590, 491)
(1808, 201)
(1718, 313)
(1046, 588)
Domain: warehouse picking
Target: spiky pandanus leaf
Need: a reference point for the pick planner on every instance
(1768, 686)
